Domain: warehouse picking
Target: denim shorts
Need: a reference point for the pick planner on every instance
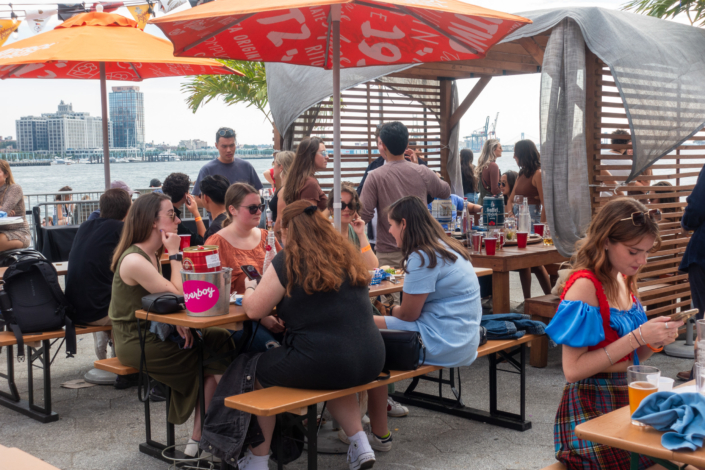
(534, 212)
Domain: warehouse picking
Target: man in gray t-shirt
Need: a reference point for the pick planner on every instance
(236, 170)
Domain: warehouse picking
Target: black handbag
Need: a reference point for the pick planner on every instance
(162, 303)
(483, 335)
(403, 350)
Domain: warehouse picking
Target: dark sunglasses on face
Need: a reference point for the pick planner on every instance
(254, 208)
(348, 205)
(639, 218)
(502, 184)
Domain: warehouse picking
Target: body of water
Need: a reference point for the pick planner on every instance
(48, 179)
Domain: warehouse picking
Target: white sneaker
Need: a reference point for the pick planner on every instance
(359, 458)
(381, 445)
(191, 448)
(396, 410)
(253, 462)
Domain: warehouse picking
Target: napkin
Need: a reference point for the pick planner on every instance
(680, 415)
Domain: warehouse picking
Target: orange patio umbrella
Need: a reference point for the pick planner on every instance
(100, 45)
(338, 33)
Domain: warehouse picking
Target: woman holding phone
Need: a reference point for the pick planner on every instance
(351, 225)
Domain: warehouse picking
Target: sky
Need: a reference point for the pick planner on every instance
(515, 98)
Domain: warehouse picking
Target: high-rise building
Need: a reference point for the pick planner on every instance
(127, 116)
(61, 131)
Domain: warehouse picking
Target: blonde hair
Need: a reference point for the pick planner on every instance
(5, 167)
(486, 157)
(285, 159)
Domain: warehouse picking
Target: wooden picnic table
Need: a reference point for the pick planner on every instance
(512, 258)
(62, 269)
(615, 430)
(233, 320)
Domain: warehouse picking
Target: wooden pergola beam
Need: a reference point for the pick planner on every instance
(468, 101)
(532, 48)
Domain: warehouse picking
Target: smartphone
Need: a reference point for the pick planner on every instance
(252, 273)
(684, 316)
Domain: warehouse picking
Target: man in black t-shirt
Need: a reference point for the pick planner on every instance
(213, 189)
(89, 281)
(176, 186)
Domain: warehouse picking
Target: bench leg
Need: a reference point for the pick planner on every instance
(154, 448)
(312, 437)
(539, 347)
(13, 395)
(455, 407)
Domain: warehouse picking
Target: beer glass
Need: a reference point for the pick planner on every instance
(642, 381)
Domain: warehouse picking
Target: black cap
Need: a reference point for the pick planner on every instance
(155, 183)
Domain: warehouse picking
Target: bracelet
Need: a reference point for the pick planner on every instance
(655, 349)
(608, 355)
(366, 249)
(198, 219)
(642, 336)
(630, 341)
(637, 339)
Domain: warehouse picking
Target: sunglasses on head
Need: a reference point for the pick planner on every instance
(254, 208)
(226, 132)
(639, 218)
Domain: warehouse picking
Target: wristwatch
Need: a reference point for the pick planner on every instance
(177, 257)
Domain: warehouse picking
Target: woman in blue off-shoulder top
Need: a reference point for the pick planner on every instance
(603, 328)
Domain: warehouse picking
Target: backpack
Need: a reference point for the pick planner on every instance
(32, 302)
(10, 257)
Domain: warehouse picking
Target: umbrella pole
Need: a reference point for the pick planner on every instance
(335, 16)
(106, 134)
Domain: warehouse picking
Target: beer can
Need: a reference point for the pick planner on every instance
(201, 259)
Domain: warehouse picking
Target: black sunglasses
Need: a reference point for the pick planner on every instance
(254, 208)
(226, 132)
(639, 218)
(502, 184)
(348, 205)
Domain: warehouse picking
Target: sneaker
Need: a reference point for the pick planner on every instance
(252, 462)
(123, 382)
(191, 448)
(156, 394)
(359, 458)
(381, 445)
(684, 375)
(396, 410)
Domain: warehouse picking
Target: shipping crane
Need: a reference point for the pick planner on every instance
(492, 134)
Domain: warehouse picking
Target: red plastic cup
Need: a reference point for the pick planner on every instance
(490, 246)
(184, 242)
(522, 238)
(538, 229)
(477, 242)
(449, 233)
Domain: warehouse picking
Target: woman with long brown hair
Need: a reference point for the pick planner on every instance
(441, 300)
(603, 328)
(319, 286)
(282, 166)
(63, 212)
(487, 171)
(311, 156)
(467, 171)
(12, 203)
(150, 226)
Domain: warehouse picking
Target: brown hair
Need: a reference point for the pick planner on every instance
(234, 196)
(114, 204)
(346, 187)
(608, 225)
(304, 166)
(317, 257)
(528, 157)
(59, 197)
(138, 224)
(665, 200)
(423, 233)
(5, 167)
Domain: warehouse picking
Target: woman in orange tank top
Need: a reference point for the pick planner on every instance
(603, 328)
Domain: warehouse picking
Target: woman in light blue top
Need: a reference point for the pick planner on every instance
(603, 328)
(441, 299)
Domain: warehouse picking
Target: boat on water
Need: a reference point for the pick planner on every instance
(120, 160)
(58, 161)
(168, 156)
(133, 160)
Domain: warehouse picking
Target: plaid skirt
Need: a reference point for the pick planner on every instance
(583, 401)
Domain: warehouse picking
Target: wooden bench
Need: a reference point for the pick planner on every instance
(560, 466)
(277, 400)
(42, 354)
(113, 365)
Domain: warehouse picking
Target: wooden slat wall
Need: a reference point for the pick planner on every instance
(364, 107)
(663, 289)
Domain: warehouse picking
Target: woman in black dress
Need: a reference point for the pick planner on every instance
(319, 286)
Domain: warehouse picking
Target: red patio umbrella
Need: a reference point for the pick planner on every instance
(101, 46)
(338, 33)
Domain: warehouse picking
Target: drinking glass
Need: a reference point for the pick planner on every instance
(510, 228)
(700, 341)
(547, 237)
(500, 239)
(643, 381)
(699, 375)
(477, 242)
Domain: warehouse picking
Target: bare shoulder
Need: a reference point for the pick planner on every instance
(583, 290)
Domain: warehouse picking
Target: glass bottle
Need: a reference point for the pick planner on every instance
(271, 251)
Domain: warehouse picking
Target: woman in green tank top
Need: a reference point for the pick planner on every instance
(150, 227)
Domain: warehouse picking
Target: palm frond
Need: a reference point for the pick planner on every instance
(666, 9)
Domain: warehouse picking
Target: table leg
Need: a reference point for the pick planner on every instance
(500, 292)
